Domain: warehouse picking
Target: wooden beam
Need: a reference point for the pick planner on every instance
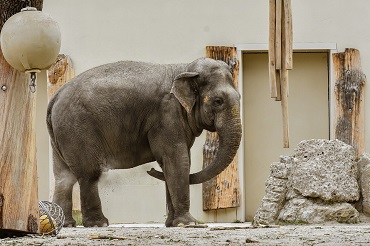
(59, 73)
(278, 85)
(284, 79)
(288, 35)
(19, 211)
(272, 67)
(349, 93)
(278, 29)
(284, 105)
(223, 191)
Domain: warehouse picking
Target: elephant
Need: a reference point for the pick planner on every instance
(128, 113)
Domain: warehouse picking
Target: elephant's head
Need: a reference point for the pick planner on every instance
(207, 91)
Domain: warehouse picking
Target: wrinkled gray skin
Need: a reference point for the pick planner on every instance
(125, 114)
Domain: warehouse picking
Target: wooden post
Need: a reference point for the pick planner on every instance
(284, 76)
(349, 93)
(19, 211)
(59, 73)
(278, 8)
(223, 191)
(287, 35)
(280, 57)
(272, 61)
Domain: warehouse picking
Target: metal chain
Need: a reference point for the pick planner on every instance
(33, 82)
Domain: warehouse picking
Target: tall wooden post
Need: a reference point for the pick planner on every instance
(222, 191)
(19, 212)
(281, 57)
(349, 94)
(59, 74)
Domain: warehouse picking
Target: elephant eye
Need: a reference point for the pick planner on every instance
(218, 101)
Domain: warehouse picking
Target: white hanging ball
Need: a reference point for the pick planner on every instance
(30, 40)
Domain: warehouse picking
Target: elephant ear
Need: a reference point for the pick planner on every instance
(184, 88)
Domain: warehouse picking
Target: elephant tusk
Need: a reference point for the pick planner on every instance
(156, 174)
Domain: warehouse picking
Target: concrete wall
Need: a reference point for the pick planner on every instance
(95, 32)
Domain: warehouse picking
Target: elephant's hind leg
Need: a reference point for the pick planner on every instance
(91, 208)
(64, 181)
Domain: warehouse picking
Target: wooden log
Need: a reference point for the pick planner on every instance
(288, 34)
(59, 73)
(19, 211)
(278, 30)
(11, 7)
(278, 86)
(272, 67)
(284, 80)
(223, 191)
(284, 105)
(349, 94)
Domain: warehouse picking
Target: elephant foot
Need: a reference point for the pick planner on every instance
(169, 222)
(184, 220)
(69, 222)
(95, 222)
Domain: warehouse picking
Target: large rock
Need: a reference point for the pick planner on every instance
(310, 211)
(325, 169)
(276, 188)
(315, 184)
(364, 180)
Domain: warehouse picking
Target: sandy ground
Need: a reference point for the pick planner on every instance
(213, 234)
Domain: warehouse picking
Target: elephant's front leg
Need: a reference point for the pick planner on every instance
(176, 171)
(170, 209)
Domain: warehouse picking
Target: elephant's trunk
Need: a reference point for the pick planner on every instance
(229, 133)
(229, 139)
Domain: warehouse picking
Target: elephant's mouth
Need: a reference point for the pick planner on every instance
(208, 120)
(211, 128)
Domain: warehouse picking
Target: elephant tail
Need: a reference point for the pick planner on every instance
(49, 124)
(156, 174)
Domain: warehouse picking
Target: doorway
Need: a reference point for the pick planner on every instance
(308, 116)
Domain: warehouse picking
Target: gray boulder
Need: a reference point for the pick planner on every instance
(311, 211)
(364, 180)
(315, 184)
(325, 169)
(276, 189)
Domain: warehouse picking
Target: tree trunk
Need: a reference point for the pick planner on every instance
(222, 191)
(19, 211)
(11, 7)
(349, 94)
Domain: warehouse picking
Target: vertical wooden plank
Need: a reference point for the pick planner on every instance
(278, 30)
(19, 211)
(284, 105)
(272, 67)
(349, 93)
(18, 168)
(59, 73)
(284, 80)
(288, 33)
(278, 85)
(223, 191)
